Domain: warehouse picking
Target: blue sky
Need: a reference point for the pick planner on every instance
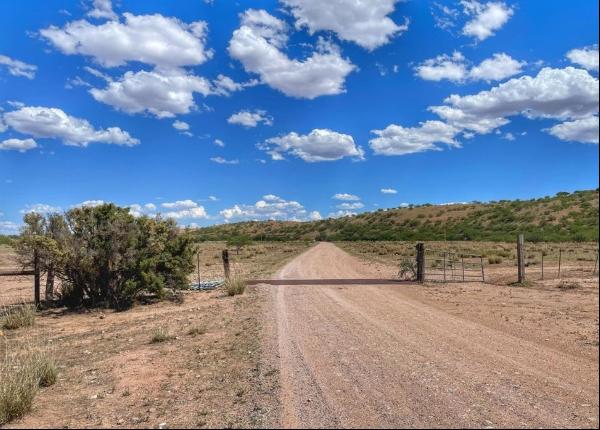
(223, 111)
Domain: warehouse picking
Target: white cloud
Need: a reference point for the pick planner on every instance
(350, 206)
(398, 140)
(455, 68)
(346, 197)
(20, 145)
(184, 209)
(213, 198)
(8, 227)
(224, 85)
(90, 203)
(365, 23)
(163, 93)
(486, 19)
(509, 136)
(583, 130)
(258, 45)
(151, 39)
(567, 93)
(315, 216)
(585, 57)
(41, 208)
(221, 160)
(442, 67)
(102, 10)
(250, 119)
(18, 68)
(270, 207)
(181, 125)
(219, 142)
(388, 191)
(318, 145)
(53, 123)
(497, 68)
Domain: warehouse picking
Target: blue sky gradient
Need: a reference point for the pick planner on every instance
(520, 159)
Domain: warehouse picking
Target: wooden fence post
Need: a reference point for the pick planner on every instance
(482, 271)
(444, 267)
(462, 260)
(420, 262)
(559, 261)
(36, 278)
(542, 265)
(521, 258)
(226, 263)
(198, 265)
(595, 264)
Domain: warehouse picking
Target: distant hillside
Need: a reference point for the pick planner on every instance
(564, 217)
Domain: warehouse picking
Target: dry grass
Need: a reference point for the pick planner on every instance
(235, 286)
(25, 367)
(18, 316)
(160, 334)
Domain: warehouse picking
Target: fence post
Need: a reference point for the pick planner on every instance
(595, 264)
(462, 260)
(420, 262)
(198, 265)
(542, 265)
(521, 258)
(559, 261)
(482, 271)
(36, 278)
(225, 256)
(444, 267)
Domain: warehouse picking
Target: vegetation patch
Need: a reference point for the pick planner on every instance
(235, 286)
(18, 316)
(160, 335)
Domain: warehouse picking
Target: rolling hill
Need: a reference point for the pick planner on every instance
(563, 217)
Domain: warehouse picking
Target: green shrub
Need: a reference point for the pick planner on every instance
(494, 260)
(18, 316)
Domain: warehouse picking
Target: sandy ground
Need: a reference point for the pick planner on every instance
(473, 355)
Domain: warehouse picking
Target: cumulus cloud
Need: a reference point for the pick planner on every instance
(365, 23)
(388, 191)
(151, 39)
(248, 118)
(567, 93)
(398, 140)
(455, 68)
(163, 93)
(219, 142)
(90, 203)
(585, 57)
(221, 160)
(41, 208)
(102, 9)
(341, 214)
(18, 68)
(350, 206)
(20, 145)
(258, 45)
(486, 18)
(318, 145)
(224, 85)
(184, 209)
(581, 130)
(346, 197)
(181, 125)
(53, 123)
(315, 216)
(270, 207)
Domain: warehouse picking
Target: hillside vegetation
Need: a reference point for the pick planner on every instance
(563, 217)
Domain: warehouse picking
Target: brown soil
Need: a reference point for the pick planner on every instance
(471, 355)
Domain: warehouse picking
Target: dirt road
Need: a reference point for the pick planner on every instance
(371, 356)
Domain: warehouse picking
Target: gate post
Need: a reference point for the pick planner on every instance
(420, 262)
(521, 258)
(225, 256)
(36, 278)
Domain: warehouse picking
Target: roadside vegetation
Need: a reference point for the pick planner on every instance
(565, 217)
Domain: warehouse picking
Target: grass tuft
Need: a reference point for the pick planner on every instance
(18, 316)
(235, 286)
(160, 334)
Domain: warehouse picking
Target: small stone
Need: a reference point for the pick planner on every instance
(163, 426)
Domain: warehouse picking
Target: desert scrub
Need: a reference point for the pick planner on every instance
(196, 331)
(235, 286)
(18, 316)
(568, 285)
(22, 372)
(494, 260)
(160, 334)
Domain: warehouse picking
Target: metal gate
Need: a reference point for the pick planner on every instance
(447, 266)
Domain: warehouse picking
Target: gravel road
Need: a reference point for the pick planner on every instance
(370, 356)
